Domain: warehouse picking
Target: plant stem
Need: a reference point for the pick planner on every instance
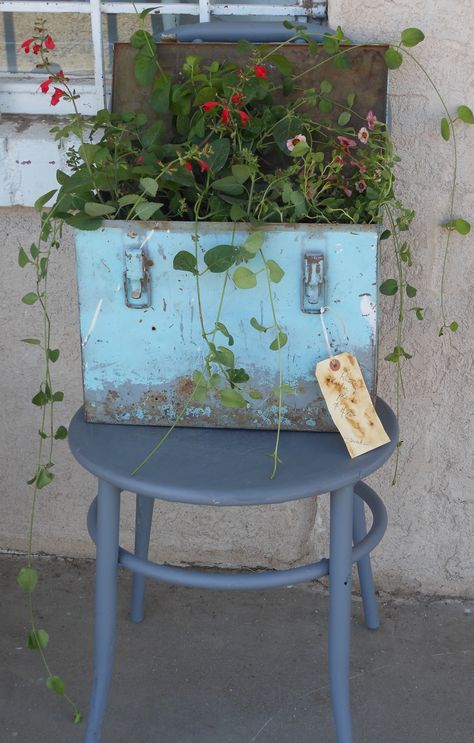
(274, 455)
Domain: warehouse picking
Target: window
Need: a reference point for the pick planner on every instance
(86, 30)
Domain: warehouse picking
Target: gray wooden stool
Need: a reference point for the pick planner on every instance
(222, 467)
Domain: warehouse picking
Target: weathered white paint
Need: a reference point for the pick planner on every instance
(428, 545)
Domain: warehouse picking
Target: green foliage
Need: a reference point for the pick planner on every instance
(465, 114)
(389, 287)
(38, 639)
(27, 579)
(185, 261)
(244, 278)
(393, 58)
(412, 37)
(445, 129)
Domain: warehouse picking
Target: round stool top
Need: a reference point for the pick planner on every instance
(223, 467)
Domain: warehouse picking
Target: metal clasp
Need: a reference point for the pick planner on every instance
(136, 279)
(313, 283)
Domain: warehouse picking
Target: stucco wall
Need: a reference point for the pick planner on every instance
(428, 545)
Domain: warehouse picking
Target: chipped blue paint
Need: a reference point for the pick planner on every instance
(137, 363)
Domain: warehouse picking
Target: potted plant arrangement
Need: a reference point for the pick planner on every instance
(251, 163)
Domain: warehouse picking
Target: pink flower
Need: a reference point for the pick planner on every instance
(189, 167)
(244, 117)
(291, 143)
(260, 71)
(346, 143)
(209, 105)
(363, 135)
(57, 95)
(204, 165)
(347, 191)
(339, 160)
(371, 120)
(49, 43)
(361, 186)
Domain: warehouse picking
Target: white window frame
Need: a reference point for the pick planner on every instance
(18, 91)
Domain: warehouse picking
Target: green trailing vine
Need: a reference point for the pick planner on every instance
(235, 153)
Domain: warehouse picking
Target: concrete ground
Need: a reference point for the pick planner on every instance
(224, 667)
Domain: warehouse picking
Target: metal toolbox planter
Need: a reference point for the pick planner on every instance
(141, 338)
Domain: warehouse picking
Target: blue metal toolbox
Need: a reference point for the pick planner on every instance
(141, 338)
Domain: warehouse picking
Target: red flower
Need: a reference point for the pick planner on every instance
(60, 76)
(36, 48)
(189, 167)
(44, 87)
(225, 115)
(204, 165)
(140, 160)
(245, 118)
(260, 71)
(26, 45)
(209, 105)
(238, 99)
(57, 95)
(49, 43)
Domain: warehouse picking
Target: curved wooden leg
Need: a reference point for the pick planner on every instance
(108, 521)
(340, 583)
(143, 516)
(366, 580)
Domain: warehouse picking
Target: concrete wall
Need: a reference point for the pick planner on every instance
(428, 544)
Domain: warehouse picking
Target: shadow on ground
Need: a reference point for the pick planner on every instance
(225, 667)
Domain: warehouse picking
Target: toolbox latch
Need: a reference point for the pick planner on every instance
(313, 283)
(136, 279)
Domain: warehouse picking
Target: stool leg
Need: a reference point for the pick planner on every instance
(108, 522)
(340, 582)
(143, 516)
(367, 589)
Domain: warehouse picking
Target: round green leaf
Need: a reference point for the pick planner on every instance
(185, 261)
(445, 129)
(244, 278)
(231, 398)
(465, 114)
(344, 118)
(94, 209)
(38, 639)
(410, 290)
(279, 341)
(30, 298)
(412, 36)
(453, 326)
(149, 185)
(393, 58)
(325, 86)
(241, 173)
(61, 433)
(27, 579)
(254, 242)
(22, 258)
(56, 684)
(462, 226)
(220, 258)
(275, 271)
(255, 395)
(389, 287)
(146, 209)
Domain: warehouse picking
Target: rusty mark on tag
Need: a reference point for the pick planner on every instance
(349, 404)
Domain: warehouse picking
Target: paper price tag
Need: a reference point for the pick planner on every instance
(349, 404)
